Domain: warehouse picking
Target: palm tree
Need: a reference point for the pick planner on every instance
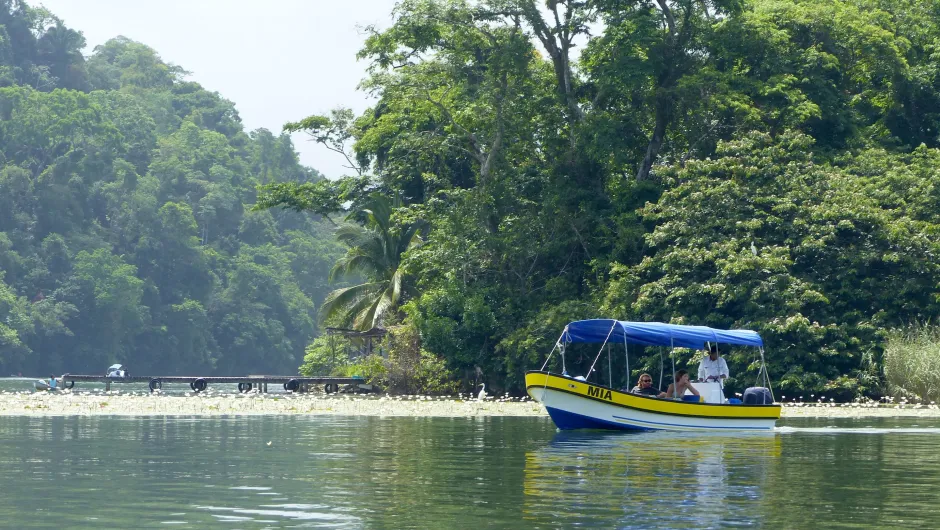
(375, 251)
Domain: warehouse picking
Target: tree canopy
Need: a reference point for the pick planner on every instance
(125, 226)
(767, 164)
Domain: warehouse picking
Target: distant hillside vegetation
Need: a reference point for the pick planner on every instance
(124, 229)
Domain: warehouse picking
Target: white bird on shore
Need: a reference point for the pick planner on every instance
(482, 395)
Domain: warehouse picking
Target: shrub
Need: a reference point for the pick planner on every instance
(409, 369)
(912, 362)
(372, 368)
(321, 357)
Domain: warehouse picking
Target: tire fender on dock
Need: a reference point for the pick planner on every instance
(292, 385)
(244, 387)
(155, 384)
(199, 385)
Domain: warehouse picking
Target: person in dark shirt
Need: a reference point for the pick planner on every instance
(644, 386)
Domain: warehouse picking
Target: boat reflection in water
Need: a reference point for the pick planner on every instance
(649, 479)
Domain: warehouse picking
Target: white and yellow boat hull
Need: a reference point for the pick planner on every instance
(575, 404)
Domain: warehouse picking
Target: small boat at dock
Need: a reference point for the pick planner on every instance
(43, 384)
(578, 403)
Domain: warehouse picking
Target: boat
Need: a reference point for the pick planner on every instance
(43, 384)
(579, 403)
(117, 371)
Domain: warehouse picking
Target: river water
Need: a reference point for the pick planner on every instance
(370, 472)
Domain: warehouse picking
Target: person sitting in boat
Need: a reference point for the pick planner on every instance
(644, 386)
(117, 370)
(713, 367)
(52, 382)
(677, 389)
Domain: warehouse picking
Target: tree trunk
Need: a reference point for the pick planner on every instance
(557, 42)
(663, 114)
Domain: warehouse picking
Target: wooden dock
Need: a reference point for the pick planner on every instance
(290, 383)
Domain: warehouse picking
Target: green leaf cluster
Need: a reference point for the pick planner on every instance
(126, 229)
(758, 163)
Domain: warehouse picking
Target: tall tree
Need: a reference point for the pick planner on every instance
(375, 254)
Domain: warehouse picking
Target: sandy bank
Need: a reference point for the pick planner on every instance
(67, 404)
(123, 404)
(852, 410)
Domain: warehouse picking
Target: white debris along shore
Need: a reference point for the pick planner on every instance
(213, 404)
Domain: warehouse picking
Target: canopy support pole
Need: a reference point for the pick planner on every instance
(662, 370)
(549, 358)
(561, 350)
(672, 354)
(558, 344)
(609, 333)
(626, 359)
(766, 376)
(610, 373)
(708, 352)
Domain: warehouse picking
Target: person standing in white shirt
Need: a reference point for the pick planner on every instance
(713, 367)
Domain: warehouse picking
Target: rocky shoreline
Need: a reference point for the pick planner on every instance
(209, 404)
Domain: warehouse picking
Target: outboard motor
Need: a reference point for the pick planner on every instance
(758, 395)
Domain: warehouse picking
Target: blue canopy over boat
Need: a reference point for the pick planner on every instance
(656, 334)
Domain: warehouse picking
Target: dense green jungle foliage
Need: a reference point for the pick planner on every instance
(764, 164)
(125, 226)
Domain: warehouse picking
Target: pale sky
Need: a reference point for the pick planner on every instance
(277, 60)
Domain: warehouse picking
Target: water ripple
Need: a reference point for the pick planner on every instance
(463, 473)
